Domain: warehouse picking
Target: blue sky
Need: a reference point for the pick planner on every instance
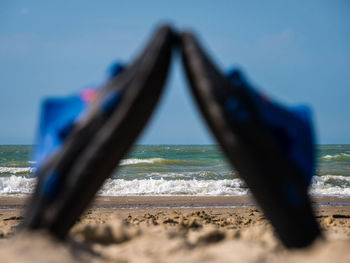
(294, 51)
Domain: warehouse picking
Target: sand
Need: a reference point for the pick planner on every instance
(173, 229)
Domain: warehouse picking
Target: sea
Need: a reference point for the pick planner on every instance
(199, 170)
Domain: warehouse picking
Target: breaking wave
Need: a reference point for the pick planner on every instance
(173, 187)
(340, 157)
(16, 170)
(321, 185)
(164, 161)
(16, 185)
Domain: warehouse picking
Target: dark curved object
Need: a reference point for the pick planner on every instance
(234, 116)
(69, 180)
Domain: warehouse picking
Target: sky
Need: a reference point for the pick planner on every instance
(297, 52)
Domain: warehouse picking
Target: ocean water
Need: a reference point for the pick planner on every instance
(176, 170)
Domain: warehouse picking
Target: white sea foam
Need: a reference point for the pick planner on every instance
(137, 161)
(321, 185)
(133, 161)
(331, 185)
(16, 170)
(114, 187)
(336, 156)
(16, 185)
(201, 175)
(173, 187)
(327, 179)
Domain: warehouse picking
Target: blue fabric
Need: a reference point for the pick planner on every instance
(291, 127)
(115, 69)
(52, 185)
(58, 116)
(56, 121)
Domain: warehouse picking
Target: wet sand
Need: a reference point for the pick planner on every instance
(173, 229)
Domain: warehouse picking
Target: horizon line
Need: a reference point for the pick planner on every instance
(173, 144)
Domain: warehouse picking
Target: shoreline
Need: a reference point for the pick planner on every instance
(185, 201)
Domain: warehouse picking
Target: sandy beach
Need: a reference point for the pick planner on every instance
(173, 229)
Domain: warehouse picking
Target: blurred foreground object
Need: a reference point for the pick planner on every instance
(270, 146)
(78, 153)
